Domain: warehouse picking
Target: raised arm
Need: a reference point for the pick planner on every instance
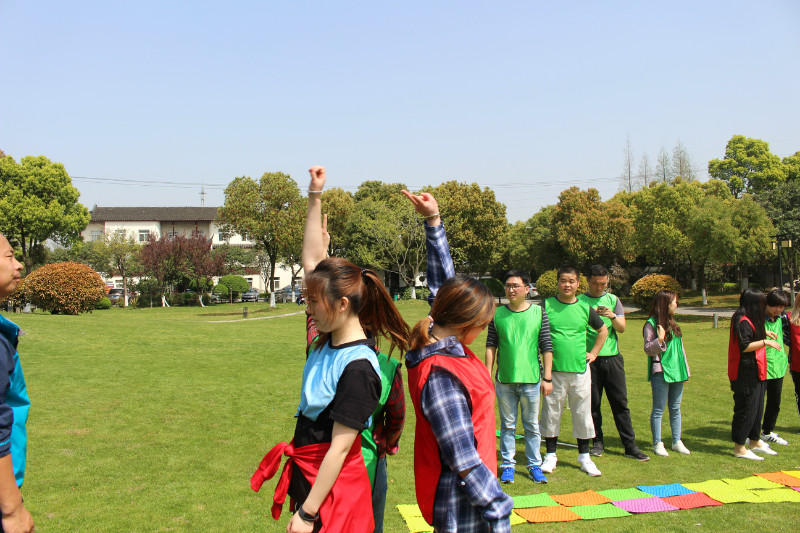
(314, 249)
(440, 263)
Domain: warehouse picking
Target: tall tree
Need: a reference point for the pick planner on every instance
(38, 202)
(682, 164)
(748, 166)
(663, 167)
(198, 261)
(592, 231)
(645, 174)
(782, 205)
(337, 204)
(264, 211)
(477, 228)
(533, 245)
(161, 261)
(627, 178)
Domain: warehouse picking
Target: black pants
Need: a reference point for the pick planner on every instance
(748, 402)
(772, 405)
(796, 379)
(608, 373)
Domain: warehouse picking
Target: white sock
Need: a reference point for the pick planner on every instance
(583, 457)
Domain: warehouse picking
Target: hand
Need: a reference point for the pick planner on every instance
(773, 344)
(662, 334)
(326, 237)
(424, 203)
(317, 178)
(606, 312)
(298, 525)
(772, 335)
(546, 388)
(19, 521)
(590, 357)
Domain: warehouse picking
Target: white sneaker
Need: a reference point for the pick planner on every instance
(765, 449)
(774, 437)
(659, 449)
(549, 463)
(749, 455)
(679, 447)
(588, 466)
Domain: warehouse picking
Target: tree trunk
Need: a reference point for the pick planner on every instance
(164, 301)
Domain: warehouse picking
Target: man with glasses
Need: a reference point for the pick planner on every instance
(516, 336)
(608, 370)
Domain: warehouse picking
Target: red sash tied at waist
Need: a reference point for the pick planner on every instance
(344, 509)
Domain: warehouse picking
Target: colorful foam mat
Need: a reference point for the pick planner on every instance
(769, 487)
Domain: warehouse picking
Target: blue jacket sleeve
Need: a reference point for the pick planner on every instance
(6, 414)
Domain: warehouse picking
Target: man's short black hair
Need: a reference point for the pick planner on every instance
(777, 298)
(518, 274)
(597, 271)
(568, 269)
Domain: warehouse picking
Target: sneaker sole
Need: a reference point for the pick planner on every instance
(642, 459)
(595, 454)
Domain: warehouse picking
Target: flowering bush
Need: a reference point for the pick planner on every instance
(69, 288)
(644, 290)
(547, 284)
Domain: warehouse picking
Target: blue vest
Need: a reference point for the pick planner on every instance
(321, 374)
(17, 399)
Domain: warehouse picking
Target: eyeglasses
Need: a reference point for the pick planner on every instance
(514, 287)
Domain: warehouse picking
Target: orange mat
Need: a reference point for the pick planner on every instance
(548, 514)
(783, 479)
(588, 497)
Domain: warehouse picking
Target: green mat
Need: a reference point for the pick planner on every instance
(752, 482)
(536, 500)
(617, 495)
(606, 510)
(779, 495)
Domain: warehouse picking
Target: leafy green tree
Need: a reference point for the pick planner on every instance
(38, 202)
(477, 228)
(199, 262)
(235, 284)
(385, 233)
(791, 165)
(748, 166)
(337, 204)
(266, 212)
(782, 206)
(592, 231)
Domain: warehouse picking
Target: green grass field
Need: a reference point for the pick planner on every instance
(155, 419)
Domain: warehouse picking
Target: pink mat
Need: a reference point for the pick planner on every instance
(645, 505)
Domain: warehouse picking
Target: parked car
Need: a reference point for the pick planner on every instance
(250, 296)
(532, 292)
(117, 296)
(285, 294)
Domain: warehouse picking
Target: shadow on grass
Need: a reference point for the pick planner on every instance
(714, 437)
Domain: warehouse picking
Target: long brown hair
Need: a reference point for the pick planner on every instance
(795, 319)
(660, 311)
(462, 303)
(335, 278)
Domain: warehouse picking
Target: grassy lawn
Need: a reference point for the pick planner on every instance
(715, 299)
(155, 419)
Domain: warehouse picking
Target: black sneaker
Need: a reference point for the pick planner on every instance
(636, 453)
(597, 449)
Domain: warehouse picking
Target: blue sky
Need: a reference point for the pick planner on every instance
(527, 98)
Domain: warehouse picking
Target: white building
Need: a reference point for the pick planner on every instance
(142, 222)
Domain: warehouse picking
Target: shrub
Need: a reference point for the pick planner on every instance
(104, 303)
(547, 284)
(730, 288)
(421, 293)
(644, 290)
(69, 288)
(496, 286)
(235, 283)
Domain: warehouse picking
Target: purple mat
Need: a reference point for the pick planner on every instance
(645, 505)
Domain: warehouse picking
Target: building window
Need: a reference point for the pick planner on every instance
(97, 235)
(276, 282)
(143, 235)
(120, 234)
(224, 236)
(172, 234)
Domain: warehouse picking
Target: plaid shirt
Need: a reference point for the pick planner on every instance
(475, 504)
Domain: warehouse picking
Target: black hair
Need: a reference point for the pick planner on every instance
(777, 298)
(597, 271)
(518, 274)
(752, 304)
(568, 269)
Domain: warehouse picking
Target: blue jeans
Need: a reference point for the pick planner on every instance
(510, 397)
(669, 394)
(379, 488)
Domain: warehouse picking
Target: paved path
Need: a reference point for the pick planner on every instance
(256, 318)
(682, 310)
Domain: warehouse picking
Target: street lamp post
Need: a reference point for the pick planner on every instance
(782, 241)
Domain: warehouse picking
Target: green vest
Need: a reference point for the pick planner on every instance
(777, 361)
(568, 326)
(610, 347)
(369, 449)
(673, 362)
(518, 344)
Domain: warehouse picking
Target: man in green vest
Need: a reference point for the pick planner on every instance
(516, 336)
(608, 370)
(570, 320)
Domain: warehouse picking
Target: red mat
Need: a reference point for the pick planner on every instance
(691, 501)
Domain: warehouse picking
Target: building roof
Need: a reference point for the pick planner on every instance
(159, 214)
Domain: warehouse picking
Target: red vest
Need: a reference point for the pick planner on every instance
(472, 373)
(348, 506)
(733, 354)
(794, 335)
